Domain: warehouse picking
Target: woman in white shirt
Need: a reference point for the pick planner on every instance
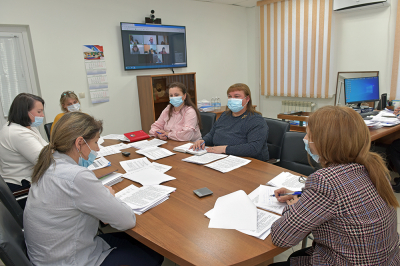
(66, 202)
(20, 141)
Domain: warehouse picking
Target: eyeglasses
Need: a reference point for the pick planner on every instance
(302, 179)
(68, 92)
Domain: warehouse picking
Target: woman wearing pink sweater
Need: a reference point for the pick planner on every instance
(180, 120)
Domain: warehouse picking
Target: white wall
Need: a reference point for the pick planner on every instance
(216, 42)
(362, 40)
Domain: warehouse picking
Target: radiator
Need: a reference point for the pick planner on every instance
(290, 106)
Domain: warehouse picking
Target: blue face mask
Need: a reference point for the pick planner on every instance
(92, 156)
(235, 104)
(176, 101)
(38, 120)
(307, 147)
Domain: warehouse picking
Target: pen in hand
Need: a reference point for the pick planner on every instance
(200, 145)
(161, 134)
(298, 193)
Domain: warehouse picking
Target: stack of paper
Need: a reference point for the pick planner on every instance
(287, 180)
(148, 176)
(386, 119)
(105, 151)
(373, 124)
(144, 144)
(99, 163)
(141, 163)
(144, 198)
(111, 179)
(185, 148)
(155, 153)
(228, 164)
(205, 158)
(261, 197)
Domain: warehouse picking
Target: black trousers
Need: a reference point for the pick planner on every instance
(299, 253)
(394, 154)
(14, 187)
(129, 252)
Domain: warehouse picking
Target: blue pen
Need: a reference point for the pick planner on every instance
(297, 193)
(161, 133)
(200, 145)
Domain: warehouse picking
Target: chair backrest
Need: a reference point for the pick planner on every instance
(8, 199)
(277, 130)
(47, 128)
(12, 241)
(294, 156)
(207, 121)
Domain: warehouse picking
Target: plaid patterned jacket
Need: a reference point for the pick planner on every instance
(350, 222)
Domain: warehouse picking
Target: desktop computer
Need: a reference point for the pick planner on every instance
(359, 90)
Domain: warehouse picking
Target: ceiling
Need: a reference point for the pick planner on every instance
(244, 3)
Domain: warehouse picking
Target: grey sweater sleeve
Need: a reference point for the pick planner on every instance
(256, 133)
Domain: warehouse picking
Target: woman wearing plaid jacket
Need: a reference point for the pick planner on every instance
(348, 205)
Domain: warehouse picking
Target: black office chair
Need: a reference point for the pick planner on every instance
(12, 241)
(294, 156)
(9, 200)
(277, 130)
(207, 121)
(47, 128)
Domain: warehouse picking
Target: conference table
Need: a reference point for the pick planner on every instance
(178, 229)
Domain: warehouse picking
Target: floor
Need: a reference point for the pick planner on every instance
(281, 257)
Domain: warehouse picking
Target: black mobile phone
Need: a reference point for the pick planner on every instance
(202, 192)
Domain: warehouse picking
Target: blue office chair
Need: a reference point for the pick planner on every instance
(12, 241)
(207, 121)
(277, 130)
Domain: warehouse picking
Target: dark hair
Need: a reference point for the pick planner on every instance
(65, 132)
(187, 102)
(21, 105)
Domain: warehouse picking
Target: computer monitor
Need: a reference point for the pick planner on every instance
(358, 90)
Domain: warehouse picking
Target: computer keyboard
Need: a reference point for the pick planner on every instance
(369, 113)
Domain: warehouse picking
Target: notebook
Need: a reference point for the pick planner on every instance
(185, 148)
(136, 135)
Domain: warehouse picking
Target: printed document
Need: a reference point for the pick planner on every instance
(148, 176)
(186, 149)
(109, 150)
(228, 164)
(111, 179)
(143, 144)
(99, 163)
(205, 158)
(155, 153)
(134, 164)
(287, 180)
(114, 136)
(234, 211)
(261, 197)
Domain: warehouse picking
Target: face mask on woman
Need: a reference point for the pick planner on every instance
(235, 104)
(74, 107)
(307, 147)
(176, 101)
(92, 156)
(38, 120)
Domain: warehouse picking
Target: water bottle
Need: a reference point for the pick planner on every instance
(218, 103)
(213, 103)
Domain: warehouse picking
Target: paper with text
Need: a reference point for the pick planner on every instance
(99, 163)
(205, 158)
(186, 148)
(261, 198)
(155, 153)
(287, 180)
(134, 164)
(144, 144)
(148, 176)
(228, 164)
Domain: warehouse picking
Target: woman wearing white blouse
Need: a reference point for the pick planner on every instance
(20, 140)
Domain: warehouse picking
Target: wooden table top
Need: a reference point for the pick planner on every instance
(383, 132)
(178, 229)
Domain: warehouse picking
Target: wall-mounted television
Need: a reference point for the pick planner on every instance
(153, 46)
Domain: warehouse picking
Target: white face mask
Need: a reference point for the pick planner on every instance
(74, 108)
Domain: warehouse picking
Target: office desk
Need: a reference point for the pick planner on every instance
(178, 229)
(385, 134)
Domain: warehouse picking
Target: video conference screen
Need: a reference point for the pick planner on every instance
(153, 46)
(361, 89)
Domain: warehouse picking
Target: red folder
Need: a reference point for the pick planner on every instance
(137, 135)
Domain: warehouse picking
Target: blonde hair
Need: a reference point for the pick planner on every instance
(243, 87)
(63, 137)
(67, 95)
(340, 137)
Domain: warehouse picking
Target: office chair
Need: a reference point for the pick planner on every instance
(47, 128)
(277, 130)
(294, 156)
(12, 241)
(10, 202)
(207, 121)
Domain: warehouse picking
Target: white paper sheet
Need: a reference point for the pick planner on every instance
(99, 163)
(205, 158)
(148, 176)
(160, 167)
(105, 151)
(114, 136)
(186, 148)
(111, 179)
(287, 180)
(134, 164)
(228, 164)
(234, 211)
(261, 198)
(155, 153)
(144, 144)
(100, 141)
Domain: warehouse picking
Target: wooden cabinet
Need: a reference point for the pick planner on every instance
(153, 94)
